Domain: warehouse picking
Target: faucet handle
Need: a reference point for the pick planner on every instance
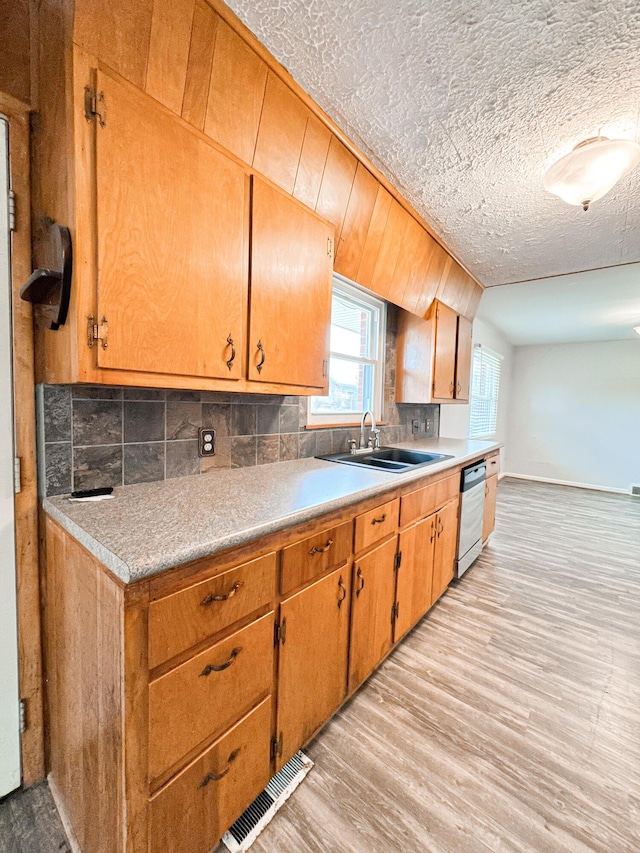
(374, 438)
(352, 445)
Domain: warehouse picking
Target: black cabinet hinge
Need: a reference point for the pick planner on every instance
(276, 747)
(397, 561)
(280, 632)
(325, 367)
(94, 106)
(97, 332)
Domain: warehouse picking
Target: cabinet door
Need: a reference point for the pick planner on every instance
(463, 359)
(445, 352)
(290, 310)
(445, 548)
(312, 671)
(490, 495)
(371, 622)
(415, 575)
(172, 272)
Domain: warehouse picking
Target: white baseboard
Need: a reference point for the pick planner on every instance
(567, 483)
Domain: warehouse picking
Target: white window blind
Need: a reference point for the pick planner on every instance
(485, 388)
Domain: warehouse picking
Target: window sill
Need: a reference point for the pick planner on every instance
(349, 425)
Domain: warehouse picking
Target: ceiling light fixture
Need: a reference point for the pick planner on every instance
(589, 171)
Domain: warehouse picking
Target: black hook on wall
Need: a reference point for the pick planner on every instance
(50, 287)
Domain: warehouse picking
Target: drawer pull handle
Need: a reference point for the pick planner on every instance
(216, 777)
(344, 591)
(382, 518)
(360, 586)
(218, 667)
(209, 599)
(315, 550)
(232, 357)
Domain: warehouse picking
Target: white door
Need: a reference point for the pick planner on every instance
(9, 696)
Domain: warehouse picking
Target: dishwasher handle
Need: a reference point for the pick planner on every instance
(472, 476)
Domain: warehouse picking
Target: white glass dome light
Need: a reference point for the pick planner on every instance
(593, 168)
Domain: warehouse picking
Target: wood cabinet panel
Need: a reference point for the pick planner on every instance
(372, 601)
(116, 31)
(415, 357)
(313, 157)
(417, 272)
(201, 698)
(373, 239)
(171, 26)
(454, 286)
(198, 76)
(463, 359)
(414, 575)
(407, 265)
(490, 496)
(281, 134)
(436, 266)
(303, 561)
(335, 187)
(374, 525)
(236, 94)
(444, 368)
(445, 548)
(312, 667)
(291, 270)
(390, 245)
(170, 211)
(190, 814)
(493, 465)
(180, 621)
(428, 499)
(356, 223)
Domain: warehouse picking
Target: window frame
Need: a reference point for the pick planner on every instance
(493, 400)
(354, 292)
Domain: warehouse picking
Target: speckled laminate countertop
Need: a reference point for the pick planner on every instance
(151, 527)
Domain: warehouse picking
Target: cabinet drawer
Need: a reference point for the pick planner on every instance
(428, 499)
(204, 696)
(316, 555)
(493, 465)
(376, 524)
(190, 814)
(183, 619)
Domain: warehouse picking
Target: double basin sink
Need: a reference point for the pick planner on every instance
(392, 459)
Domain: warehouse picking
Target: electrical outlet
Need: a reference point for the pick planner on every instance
(207, 442)
(415, 426)
(427, 424)
(635, 490)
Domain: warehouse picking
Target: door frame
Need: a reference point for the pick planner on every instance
(26, 501)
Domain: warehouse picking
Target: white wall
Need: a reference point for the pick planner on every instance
(454, 418)
(575, 413)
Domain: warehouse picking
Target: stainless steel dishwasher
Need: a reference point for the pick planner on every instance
(471, 515)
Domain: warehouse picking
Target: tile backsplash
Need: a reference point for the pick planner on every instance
(91, 436)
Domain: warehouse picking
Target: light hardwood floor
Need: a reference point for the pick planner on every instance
(509, 720)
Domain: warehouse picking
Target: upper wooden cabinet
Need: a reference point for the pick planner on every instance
(170, 213)
(290, 310)
(434, 357)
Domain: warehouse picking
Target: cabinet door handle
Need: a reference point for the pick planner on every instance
(360, 586)
(440, 528)
(232, 357)
(382, 518)
(209, 599)
(458, 389)
(216, 777)
(323, 550)
(218, 667)
(433, 531)
(344, 591)
(260, 364)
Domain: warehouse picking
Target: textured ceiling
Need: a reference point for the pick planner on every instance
(465, 105)
(600, 305)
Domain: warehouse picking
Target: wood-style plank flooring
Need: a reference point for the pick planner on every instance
(29, 823)
(509, 720)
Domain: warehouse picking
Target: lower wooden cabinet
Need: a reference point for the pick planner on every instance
(190, 814)
(415, 574)
(445, 548)
(490, 495)
(312, 666)
(374, 583)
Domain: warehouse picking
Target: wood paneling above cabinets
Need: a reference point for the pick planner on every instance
(312, 161)
(198, 79)
(357, 221)
(171, 30)
(335, 188)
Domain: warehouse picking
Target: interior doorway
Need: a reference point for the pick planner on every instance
(9, 690)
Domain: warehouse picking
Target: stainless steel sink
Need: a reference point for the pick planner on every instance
(392, 459)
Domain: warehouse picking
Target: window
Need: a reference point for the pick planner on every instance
(356, 364)
(485, 387)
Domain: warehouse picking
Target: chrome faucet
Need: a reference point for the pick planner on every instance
(374, 435)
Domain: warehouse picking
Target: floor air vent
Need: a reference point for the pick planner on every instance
(254, 819)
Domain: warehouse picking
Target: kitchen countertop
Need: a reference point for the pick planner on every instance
(150, 527)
